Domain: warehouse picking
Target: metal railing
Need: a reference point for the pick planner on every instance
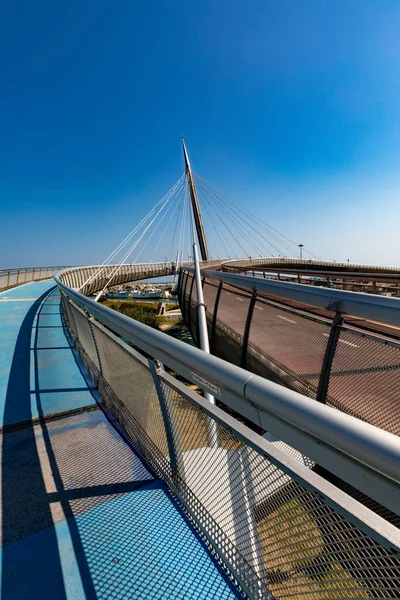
(13, 277)
(279, 527)
(362, 278)
(91, 279)
(236, 265)
(330, 356)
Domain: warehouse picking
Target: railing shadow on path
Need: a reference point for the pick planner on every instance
(49, 480)
(26, 503)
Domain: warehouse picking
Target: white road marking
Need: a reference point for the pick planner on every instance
(229, 294)
(285, 319)
(240, 299)
(258, 308)
(343, 341)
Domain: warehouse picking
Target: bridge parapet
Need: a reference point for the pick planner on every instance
(12, 277)
(276, 524)
(339, 355)
(91, 279)
(361, 278)
(236, 265)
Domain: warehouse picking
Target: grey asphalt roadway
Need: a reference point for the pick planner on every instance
(365, 378)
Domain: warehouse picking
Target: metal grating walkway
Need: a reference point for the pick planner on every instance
(83, 517)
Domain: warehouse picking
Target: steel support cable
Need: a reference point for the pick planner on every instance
(261, 224)
(230, 234)
(135, 230)
(267, 244)
(251, 233)
(181, 242)
(178, 214)
(241, 229)
(161, 237)
(229, 231)
(245, 217)
(135, 244)
(131, 234)
(153, 231)
(181, 202)
(124, 258)
(221, 194)
(215, 229)
(169, 203)
(230, 253)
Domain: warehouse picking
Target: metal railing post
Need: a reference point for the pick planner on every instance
(212, 428)
(155, 370)
(188, 318)
(70, 327)
(179, 284)
(90, 320)
(214, 319)
(190, 293)
(330, 350)
(246, 333)
(181, 292)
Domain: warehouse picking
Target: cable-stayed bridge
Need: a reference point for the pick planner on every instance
(283, 481)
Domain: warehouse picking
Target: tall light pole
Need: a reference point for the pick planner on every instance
(301, 250)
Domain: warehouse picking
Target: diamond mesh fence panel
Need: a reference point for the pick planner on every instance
(233, 308)
(67, 308)
(260, 519)
(209, 294)
(365, 379)
(4, 279)
(13, 279)
(133, 384)
(186, 293)
(287, 347)
(283, 346)
(84, 334)
(230, 325)
(295, 544)
(227, 343)
(194, 323)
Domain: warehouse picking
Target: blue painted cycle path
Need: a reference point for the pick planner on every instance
(83, 516)
(39, 369)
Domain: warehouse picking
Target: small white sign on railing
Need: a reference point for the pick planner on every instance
(203, 382)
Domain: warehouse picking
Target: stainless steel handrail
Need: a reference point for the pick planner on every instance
(366, 306)
(18, 275)
(360, 453)
(287, 262)
(39, 268)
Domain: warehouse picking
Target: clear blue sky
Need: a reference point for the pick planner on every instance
(291, 107)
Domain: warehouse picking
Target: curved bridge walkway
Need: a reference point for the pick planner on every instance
(83, 516)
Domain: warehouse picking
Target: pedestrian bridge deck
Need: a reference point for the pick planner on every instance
(83, 515)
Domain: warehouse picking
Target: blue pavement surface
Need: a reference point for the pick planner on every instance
(83, 516)
(40, 372)
(138, 545)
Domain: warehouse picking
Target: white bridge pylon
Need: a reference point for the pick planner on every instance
(191, 211)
